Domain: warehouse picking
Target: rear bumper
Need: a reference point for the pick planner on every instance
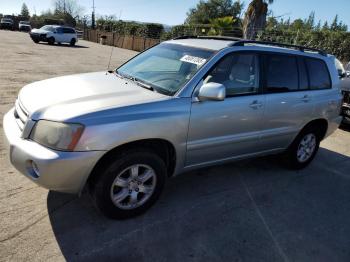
(333, 125)
(59, 171)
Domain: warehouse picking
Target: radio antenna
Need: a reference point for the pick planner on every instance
(110, 58)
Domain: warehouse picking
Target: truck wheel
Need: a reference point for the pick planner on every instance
(72, 42)
(51, 41)
(129, 184)
(303, 150)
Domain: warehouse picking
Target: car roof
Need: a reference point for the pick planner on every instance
(217, 43)
(213, 44)
(60, 26)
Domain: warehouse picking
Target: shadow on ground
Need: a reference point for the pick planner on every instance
(64, 45)
(253, 210)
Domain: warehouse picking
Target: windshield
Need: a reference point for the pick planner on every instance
(6, 20)
(24, 23)
(48, 28)
(167, 67)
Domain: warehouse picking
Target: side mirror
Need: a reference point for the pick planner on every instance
(212, 91)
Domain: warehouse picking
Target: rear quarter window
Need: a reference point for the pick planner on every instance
(318, 74)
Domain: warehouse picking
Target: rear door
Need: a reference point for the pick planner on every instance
(68, 34)
(289, 101)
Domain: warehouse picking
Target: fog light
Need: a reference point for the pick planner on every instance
(35, 170)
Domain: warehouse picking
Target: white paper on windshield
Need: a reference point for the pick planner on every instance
(193, 60)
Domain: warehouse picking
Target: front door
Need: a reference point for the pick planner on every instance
(223, 130)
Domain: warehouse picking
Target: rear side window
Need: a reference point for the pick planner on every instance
(303, 78)
(68, 31)
(281, 73)
(318, 74)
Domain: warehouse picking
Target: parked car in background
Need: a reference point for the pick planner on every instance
(344, 75)
(184, 104)
(24, 26)
(6, 23)
(347, 69)
(54, 34)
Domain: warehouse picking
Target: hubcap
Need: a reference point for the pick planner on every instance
(306, 148)
(133, 186)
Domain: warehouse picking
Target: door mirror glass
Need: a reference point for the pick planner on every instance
(212, 91)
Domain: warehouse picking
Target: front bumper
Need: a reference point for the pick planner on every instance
(38, 37)
(6, 26)
(59, 171)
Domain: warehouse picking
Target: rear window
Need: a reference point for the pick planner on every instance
(318, 74)
(281, 73)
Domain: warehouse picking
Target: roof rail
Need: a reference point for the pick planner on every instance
(298, 47)
(225, 38)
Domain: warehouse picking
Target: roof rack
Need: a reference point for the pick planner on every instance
(242, 42)
(225, 38)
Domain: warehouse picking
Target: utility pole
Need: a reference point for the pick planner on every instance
(93, 15)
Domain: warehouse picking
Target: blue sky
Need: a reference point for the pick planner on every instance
(174, 11)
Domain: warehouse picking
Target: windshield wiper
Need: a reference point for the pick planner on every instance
(138, 81)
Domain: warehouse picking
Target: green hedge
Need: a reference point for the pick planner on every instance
(333, 42)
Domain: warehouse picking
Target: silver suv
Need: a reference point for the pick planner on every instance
(184, 104)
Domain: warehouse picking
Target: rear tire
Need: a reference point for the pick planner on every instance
(303, 149)
(122, 189)
(72, 42)
(51, 41)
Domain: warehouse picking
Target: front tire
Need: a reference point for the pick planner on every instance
(51, 41)
(129, 184)
(36, 41)
(304, 149)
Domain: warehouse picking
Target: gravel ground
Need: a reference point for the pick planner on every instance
(253, 210)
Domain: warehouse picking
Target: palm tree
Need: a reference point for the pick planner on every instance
(255, 18)
(222, 24)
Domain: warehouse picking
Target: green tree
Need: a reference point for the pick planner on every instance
(70, 7)
(310, 22)
(255, 18)
(211, 9)
(222, 24)
(25, 11)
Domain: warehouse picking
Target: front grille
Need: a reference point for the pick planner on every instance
(21, 115)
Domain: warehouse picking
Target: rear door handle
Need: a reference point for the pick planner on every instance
(306, 98)
(256, 104)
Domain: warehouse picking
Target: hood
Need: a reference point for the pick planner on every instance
(67, 97)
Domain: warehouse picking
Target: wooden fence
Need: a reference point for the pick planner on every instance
(136, 43)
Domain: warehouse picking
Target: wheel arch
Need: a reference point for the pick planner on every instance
(163, 148)
(321, 124)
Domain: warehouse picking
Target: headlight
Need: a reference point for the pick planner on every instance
(55, 135)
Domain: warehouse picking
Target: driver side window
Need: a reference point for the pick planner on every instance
(238, 72)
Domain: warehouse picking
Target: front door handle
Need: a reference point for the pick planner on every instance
(306, 98)
(256, 104)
